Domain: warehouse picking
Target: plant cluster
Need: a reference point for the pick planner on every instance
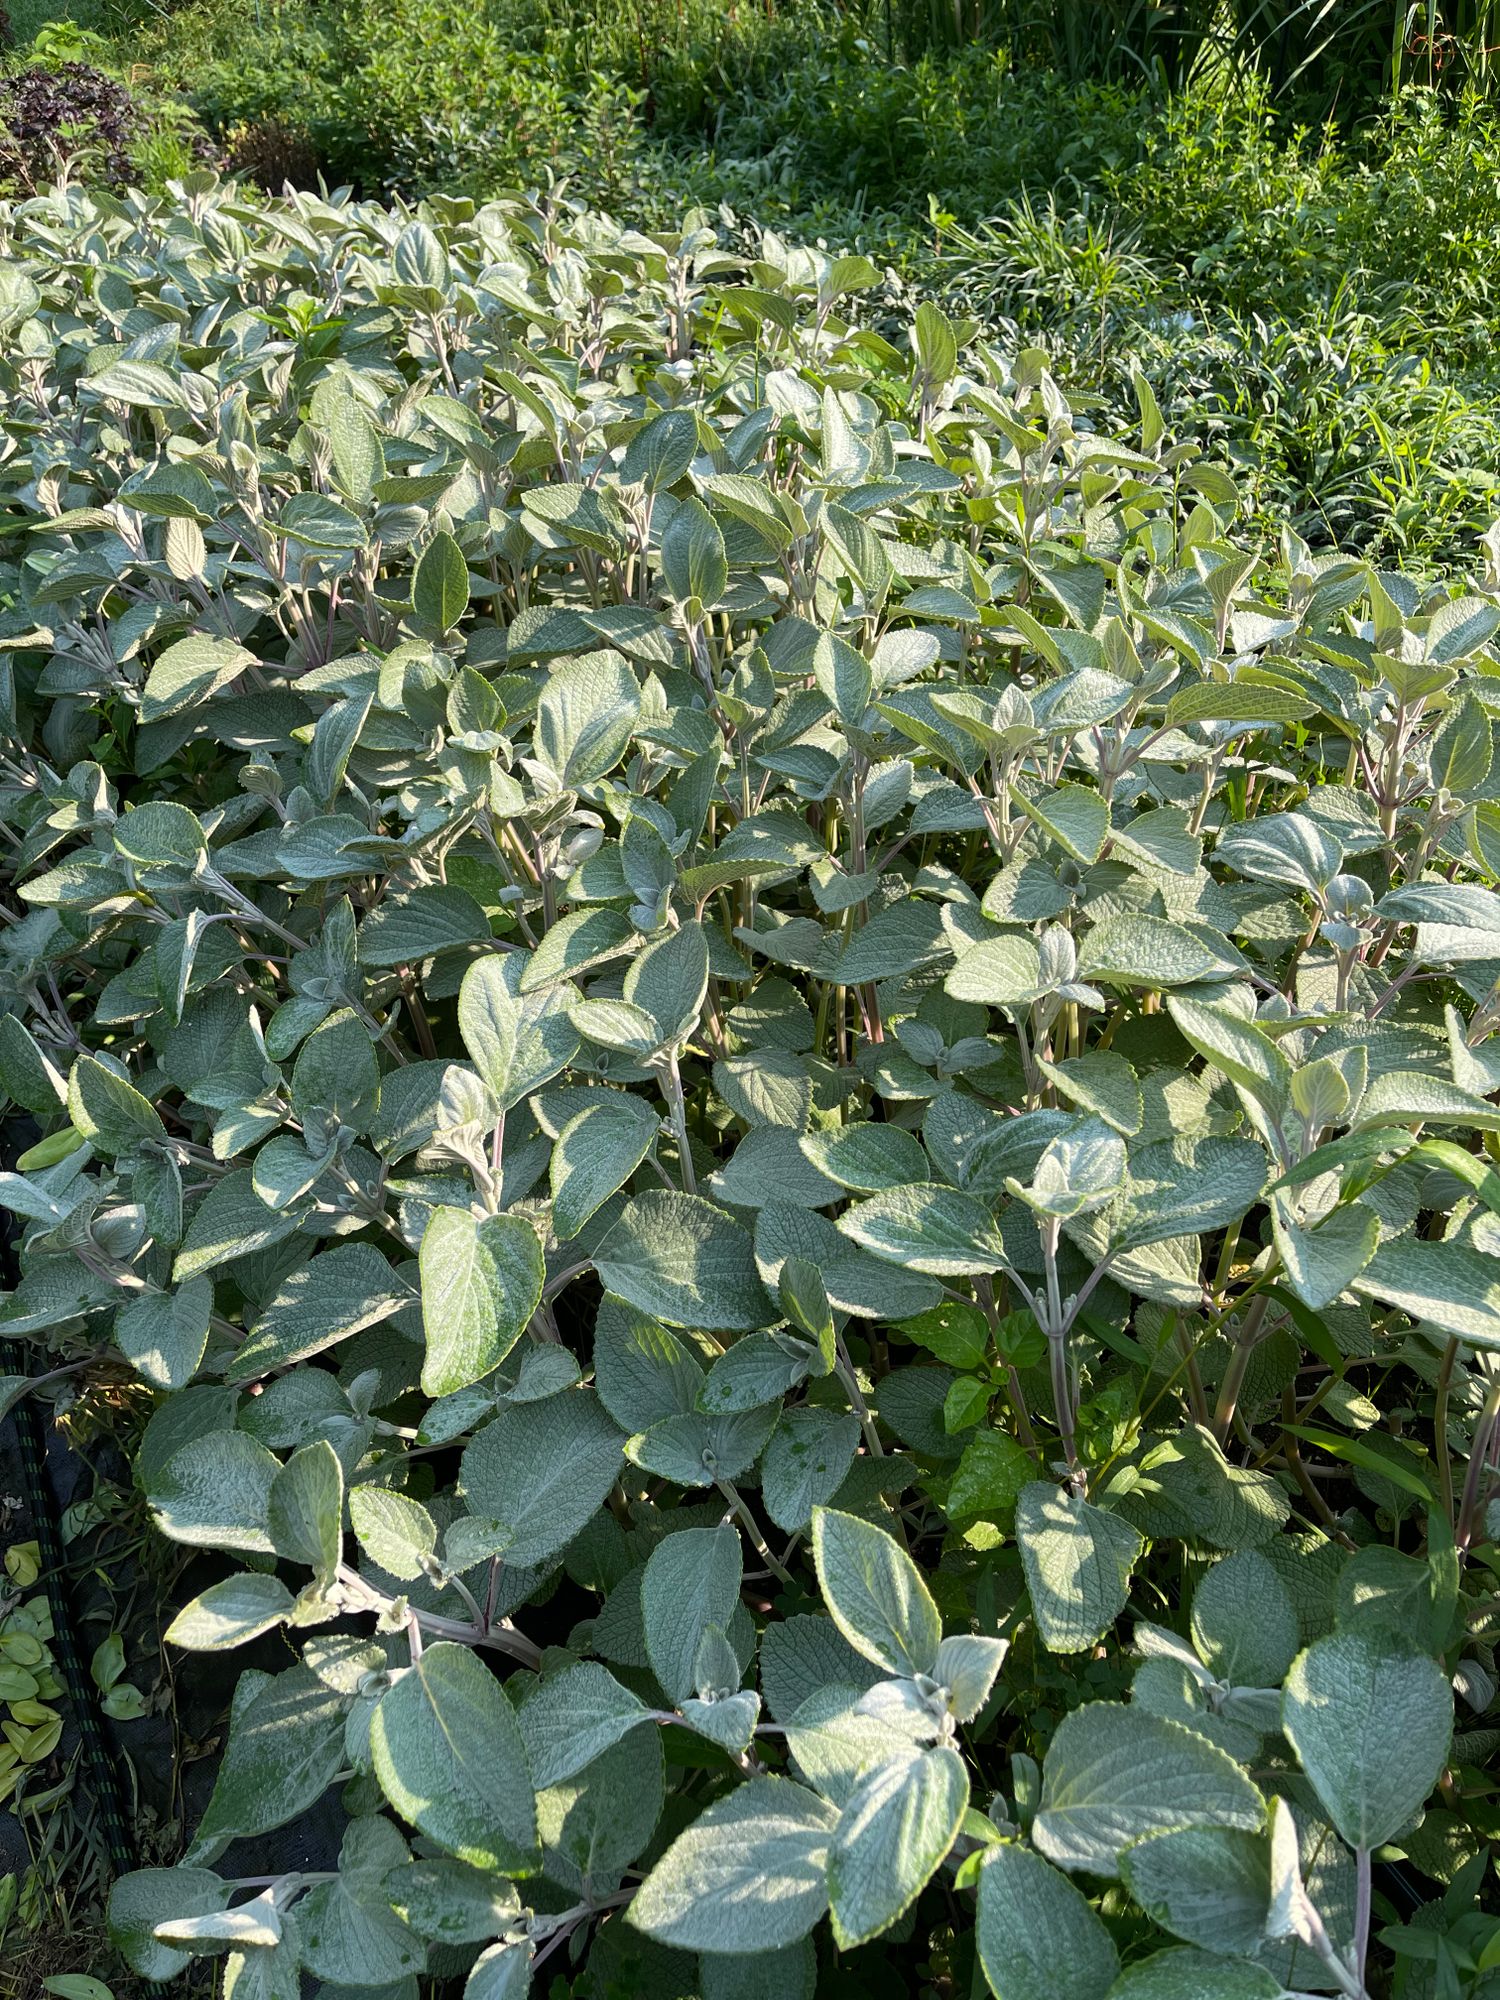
(1319, 300)
(784, 1085)
(64, 122)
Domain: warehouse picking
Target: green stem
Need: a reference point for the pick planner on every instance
(1239, 1361)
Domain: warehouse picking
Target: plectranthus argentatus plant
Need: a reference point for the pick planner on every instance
(766, 1081)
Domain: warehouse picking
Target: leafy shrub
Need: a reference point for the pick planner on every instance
(271, 152)
(785, 1084)
(69, 120)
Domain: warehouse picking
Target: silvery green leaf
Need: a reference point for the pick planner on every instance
(1076, 818)
(255, 1923)
(450, 1902)
(286, 1743)
(802, 1654)
(408, 929)
(1448, 1286)
(1323, 1261)
(470, 1540)
(791, 1973)
(1208, 1885)
(542, 1468)
(844, 677)
(747, 1875)
(594, 1824)
(716, 1665)
(1371, 1721)
(336, 1080)
(966, 1665)
(1255, 1709)
(770, 1165)
(853, 1281)
(1244, 1622)
(1188, 1487)
(1186, 1187)
(1077, 1559)
(1311, 1918)
(728, 1720)
(698, 1450)
(875, 1593)
(516, 1040)
(758, 1369)
(108, 1111)
(230, 1613)
(1079, 1171)
(163, 1334)
(190, 672)
(1154, 1642)
(999, 972)
(1286, 847)
(481, 1282)
(439, 593)
(669, 979)
(503, 1972)
(1243, 1052)
(835, 1742)
(1166, 1688)
(693, 563)
(641, 1371)
(912, 1708)
(927, 1228)
(585, 717)
(1407, 1097)
(617, 1025)
(305, 1509)
(867, 1157)
(394, 1530)
(1037, 1936)
(1114, 1775)
(661, 450)
(1155, 954)
(347, 1930)
(1103, 1084)
(1186, 1974)
(450, 1758)
(216, 1493)
(892, 1835)
(595, 1154)
(806, 1462)
(683, 1260)
(768, 1087)
(1379, 1586)
(692, 1582)
(337, 1294)
(145, 1897)
(573, 1717)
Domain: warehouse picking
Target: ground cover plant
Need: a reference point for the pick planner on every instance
(778, 1079)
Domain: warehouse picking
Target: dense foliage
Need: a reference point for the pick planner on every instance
(52, 120)
(1317, 300)
(783, 1082)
